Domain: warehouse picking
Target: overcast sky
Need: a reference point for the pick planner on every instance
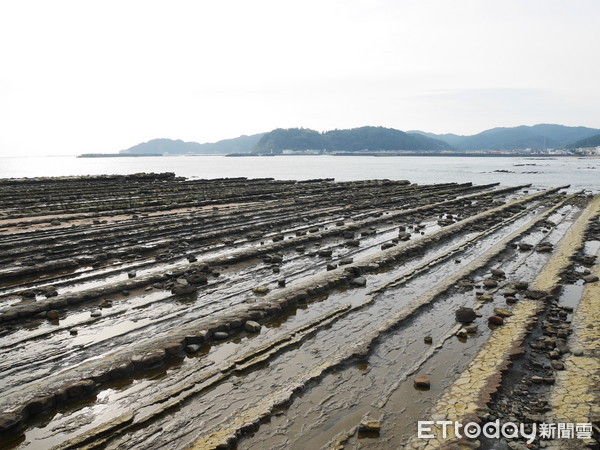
(100, 76)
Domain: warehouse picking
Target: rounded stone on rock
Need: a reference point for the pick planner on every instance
(192, 348)
(521, 285)
(220, 335)
(498, 273)
(52, 315)
(359, 281)
(590, 278)
(252, 327)
(496, 320)
(557, 365)
(489, 283)
(260, 290)
(428, 339)
(465, 315)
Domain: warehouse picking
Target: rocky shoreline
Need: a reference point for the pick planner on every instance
(111, 279)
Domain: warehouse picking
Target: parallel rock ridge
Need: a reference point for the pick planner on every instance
(123, 298)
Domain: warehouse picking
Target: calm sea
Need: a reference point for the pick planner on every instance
(579, 173)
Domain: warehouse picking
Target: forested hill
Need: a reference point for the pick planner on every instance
(242, 144)
(592, 141)
(352, 140)
(537, 137)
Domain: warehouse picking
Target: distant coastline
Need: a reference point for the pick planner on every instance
(374, 154)
(115, 155)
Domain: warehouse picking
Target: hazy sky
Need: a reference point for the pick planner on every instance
(100, 76)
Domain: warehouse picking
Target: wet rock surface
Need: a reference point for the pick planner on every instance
(526, 394)
(164, 309)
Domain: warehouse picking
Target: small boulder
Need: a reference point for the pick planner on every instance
(192, 348)
(496, 320)
(196, 279)
(220, 335)
(465, 315)
(359, 281)
(252, 327)
(502, 312)
(590, 278)
(490, 283)
(183, 288)
(27, 294)
(261, 290)
(557, 365)
(521, 285)
(369, 425)
(422, 382)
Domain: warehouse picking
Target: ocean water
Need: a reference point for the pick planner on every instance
(579, 173)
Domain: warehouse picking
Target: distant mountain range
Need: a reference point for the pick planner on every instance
(242, 144)
(537, 137)
(374, 139)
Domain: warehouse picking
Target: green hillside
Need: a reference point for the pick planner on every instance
(352, 140)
